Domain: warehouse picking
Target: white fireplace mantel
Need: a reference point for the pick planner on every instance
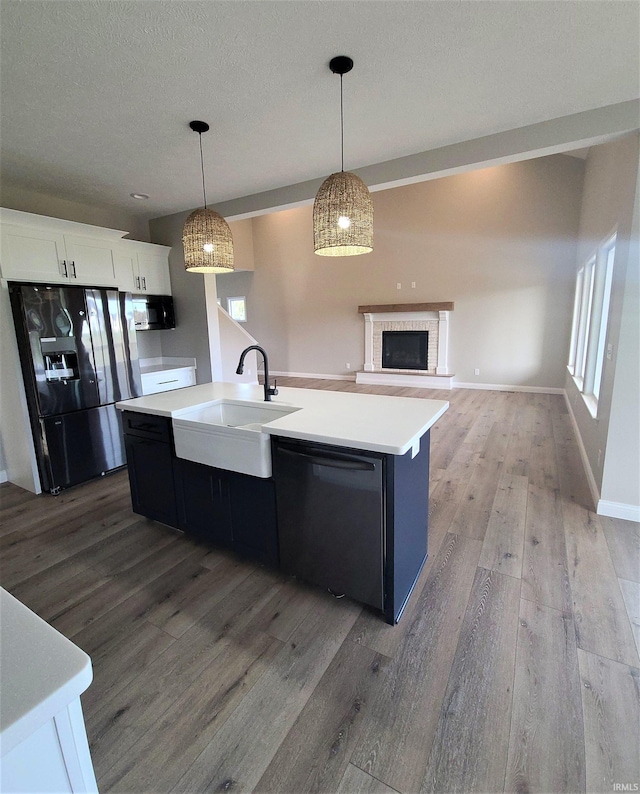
(428, 317)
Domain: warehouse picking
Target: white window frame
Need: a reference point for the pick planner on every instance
(590, 322)
(608, 256)
(584, 320)
(575, 323)
(237, 308)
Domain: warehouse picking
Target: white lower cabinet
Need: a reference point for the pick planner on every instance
(43, 740)
(54, 759)
(168, 379)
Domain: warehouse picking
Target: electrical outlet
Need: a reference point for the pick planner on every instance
(476, 371)
(413, 285)
(348, 365)
(398, 285)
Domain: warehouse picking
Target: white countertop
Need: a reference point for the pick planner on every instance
(392, 425)
(151, 368)
(41, 672)
(163, 364)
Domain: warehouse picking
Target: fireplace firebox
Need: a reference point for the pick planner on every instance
(404, 349)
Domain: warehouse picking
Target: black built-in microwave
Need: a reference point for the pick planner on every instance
(153, 312)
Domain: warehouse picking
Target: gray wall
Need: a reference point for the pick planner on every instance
(17, 198)
(608, 200)
(190, 337)
(150, 343)
(499, 242)
(233, 285)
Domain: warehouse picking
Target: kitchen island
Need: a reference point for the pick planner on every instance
(332, 487)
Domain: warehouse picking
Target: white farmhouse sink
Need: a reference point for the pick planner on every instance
(228, 435)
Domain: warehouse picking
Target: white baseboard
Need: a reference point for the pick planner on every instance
(593, 487)
(440, 379)
(3, 476)
(504, 387)
(618, 510)
(312, 375)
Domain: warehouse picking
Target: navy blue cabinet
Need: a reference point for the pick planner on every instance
(230, 509)
(407, 519)
(253, 517)
(150, 465)
(203, 501)
(217, 506)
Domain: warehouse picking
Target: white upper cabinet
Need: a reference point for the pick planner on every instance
(143, 268)
(90, 261)
(33, 255)
(38, 248)
(153, 272)
(126, 262)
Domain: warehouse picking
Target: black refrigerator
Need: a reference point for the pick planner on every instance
(79, 356)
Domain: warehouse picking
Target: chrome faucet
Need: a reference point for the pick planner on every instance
(268, 390)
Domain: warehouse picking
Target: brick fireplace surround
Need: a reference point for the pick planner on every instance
(431, 317)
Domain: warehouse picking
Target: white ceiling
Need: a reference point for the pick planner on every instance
(97, 96)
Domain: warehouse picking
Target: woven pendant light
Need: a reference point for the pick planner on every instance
(206, 237)
(342, 210)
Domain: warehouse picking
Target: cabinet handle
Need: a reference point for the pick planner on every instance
(73, 265)
(144, 283)
(138, 282)
(161, 382)
(64, 269)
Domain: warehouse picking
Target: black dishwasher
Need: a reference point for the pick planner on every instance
(331, 527)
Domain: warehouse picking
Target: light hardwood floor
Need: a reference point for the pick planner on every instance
(515, 667)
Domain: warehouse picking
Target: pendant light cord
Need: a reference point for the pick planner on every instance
(341, 127)
(204, 192)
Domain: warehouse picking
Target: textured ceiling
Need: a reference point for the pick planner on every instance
(97, 96)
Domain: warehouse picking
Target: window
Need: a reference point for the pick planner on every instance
(575, 324)
(589, 325)
(610, 253)
(237, 308)
(584, 321)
